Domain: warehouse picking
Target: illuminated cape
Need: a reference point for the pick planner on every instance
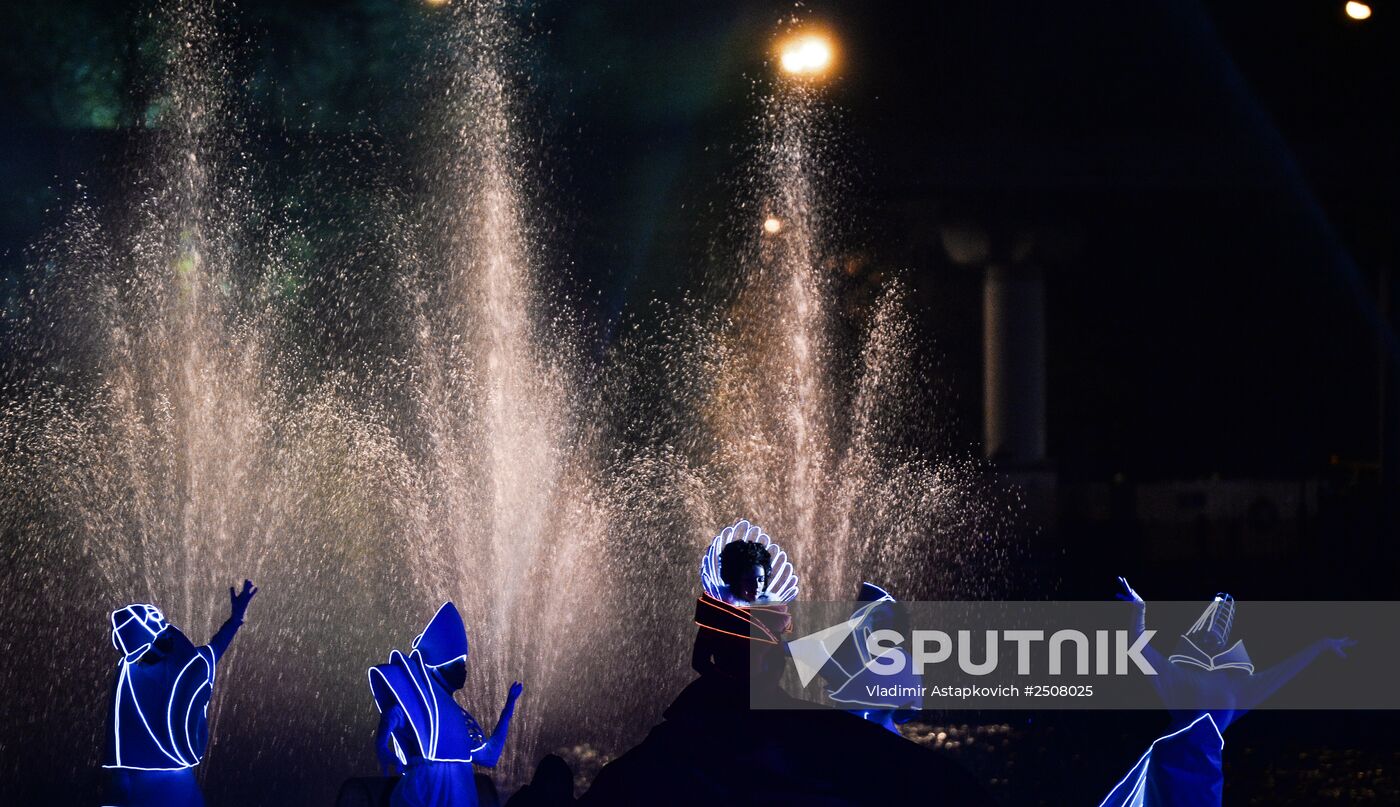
(159, 709)
(1181, 769)
(437, 729)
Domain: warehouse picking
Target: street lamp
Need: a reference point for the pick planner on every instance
(1358, 11)
(808, 54)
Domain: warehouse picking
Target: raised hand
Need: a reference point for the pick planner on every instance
(1127, 594)
(515, 690)
(1339, 646)
(238, 603)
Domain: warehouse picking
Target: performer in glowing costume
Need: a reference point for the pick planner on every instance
(160, 701)
(423, 733)
(850, 674)
(1206, 685)
(746, 583)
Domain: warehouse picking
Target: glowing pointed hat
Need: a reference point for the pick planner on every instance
(869, 592)
(135, 627)
(445, 638)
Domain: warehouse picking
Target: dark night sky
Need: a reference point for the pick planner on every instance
(1220, 179)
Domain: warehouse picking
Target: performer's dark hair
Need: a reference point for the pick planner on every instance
(742, 554)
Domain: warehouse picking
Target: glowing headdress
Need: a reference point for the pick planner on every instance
(1212, 630)
(781, 585)
(445, 639)
(135, 627)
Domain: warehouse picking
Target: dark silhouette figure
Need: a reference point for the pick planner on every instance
(551, 786)
(715, 746)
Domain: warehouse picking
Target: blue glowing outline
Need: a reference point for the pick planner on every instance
(124, 682)
(1136, 791)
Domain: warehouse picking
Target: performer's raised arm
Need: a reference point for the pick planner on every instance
(1139, 625)
(1257, 688)
(490, 752)
(238, 609)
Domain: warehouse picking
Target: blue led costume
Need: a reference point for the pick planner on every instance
(851, 676)
(422, 730)
(1206, 685)
(160, 700)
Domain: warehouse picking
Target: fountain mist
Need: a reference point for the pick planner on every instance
(823, 427)
(501, 514)
(161, 449)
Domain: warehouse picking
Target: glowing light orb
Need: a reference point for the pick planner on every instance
(1358, 11)
(772, 225)
(436, 3)
(806, 55)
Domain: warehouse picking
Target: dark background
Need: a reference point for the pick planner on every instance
(1213, 187)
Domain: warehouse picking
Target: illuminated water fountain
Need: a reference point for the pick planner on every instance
(165, 437)
(821, 427)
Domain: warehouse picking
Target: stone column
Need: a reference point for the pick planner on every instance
(1013, 365)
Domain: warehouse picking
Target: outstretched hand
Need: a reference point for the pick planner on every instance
(1127, 593)
(1339, 646)
(515, 690)
(238, 603)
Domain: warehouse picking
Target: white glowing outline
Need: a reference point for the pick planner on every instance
(862, 647)
(781, 584)
(398, 698)
(1178, 658)
(420, 636)
(432, 708)
(153, 614)
(1135, 793)
(124, 682)
(398, 750)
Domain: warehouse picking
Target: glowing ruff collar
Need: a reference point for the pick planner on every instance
(781, 585)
